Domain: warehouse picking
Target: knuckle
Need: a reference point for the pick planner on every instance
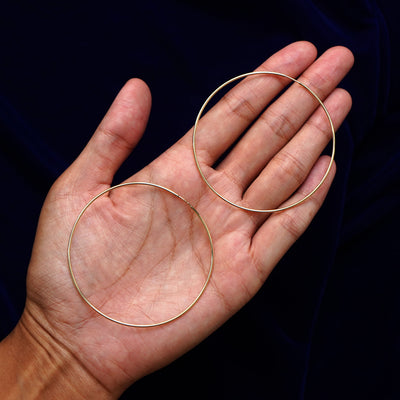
(294, 226)
(321, 126)
(240, 107)
(289, 165)
(279, 124)
(317, 82)
(112, 137)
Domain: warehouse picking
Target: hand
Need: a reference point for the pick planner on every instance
(139, 254)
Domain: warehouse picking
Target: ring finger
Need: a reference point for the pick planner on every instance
(292, 164)
(283, 119)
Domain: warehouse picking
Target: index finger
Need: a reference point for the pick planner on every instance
(226, 121)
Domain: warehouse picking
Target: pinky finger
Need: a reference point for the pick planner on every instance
(280, 231)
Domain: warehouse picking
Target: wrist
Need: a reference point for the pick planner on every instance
(35, 365)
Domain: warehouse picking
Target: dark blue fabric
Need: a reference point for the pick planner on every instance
(326, 323)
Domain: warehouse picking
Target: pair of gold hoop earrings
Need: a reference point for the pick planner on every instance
(171, 192)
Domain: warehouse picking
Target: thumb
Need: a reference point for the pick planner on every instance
(115, 138)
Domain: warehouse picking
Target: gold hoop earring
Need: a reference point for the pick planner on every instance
(128, 323)
(198, 163)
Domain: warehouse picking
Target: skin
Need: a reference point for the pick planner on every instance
(61, 348)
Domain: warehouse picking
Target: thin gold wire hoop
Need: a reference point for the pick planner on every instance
(127, 323)
(240, 77)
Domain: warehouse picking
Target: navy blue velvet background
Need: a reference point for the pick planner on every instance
(326, 323)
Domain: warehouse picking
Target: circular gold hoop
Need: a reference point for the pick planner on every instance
(263, 73)
(127, 323)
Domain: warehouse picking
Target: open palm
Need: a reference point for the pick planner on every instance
(141, 255)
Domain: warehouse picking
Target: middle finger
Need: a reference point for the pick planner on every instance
(283, 119)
